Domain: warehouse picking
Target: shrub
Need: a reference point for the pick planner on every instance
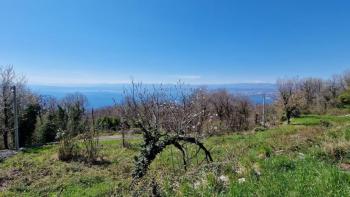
(345, 97)
(27, 124)
(108, 123)
(68, 148)
(258, 129)
(325, 123)
(47, 130)
(337, 151)
(91, 147)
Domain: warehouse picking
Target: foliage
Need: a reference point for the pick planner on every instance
(345, 97)
(47, 131)
(27, 124)
(108, 123)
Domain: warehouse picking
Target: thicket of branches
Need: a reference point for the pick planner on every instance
(313, 95)
(165, 119)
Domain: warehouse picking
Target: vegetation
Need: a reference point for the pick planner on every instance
(108, 123)
(194, 142)
(345, 97)
(303, 158)
(163, 123)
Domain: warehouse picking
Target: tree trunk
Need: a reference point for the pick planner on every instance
(123, 138)
(5, 138)
(288, 114)
(6, 120)
(150, 151)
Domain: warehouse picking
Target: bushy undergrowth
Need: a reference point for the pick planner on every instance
(68, 149)
(86, 149)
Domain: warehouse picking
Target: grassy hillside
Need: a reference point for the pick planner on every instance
(311, 157)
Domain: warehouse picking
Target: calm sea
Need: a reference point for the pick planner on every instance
(106, 95)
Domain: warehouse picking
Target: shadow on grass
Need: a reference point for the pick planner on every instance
(37, 149)
(95, 162)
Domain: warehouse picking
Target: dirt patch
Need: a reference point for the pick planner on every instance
(6, 153)
(344, 166)
(3, 183)
(8, 177)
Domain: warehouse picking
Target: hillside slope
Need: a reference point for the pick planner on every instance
(311, 157)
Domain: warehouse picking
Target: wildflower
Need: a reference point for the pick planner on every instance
(223, 178)
(197, 185)
(241, 180)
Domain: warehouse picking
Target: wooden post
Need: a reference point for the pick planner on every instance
(263, 112)
(15, 111)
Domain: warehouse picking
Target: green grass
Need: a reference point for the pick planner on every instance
(301, 159)
(311, 120)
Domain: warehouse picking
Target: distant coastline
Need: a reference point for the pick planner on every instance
(103, 95)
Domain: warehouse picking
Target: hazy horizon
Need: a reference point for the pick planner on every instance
(105, 95)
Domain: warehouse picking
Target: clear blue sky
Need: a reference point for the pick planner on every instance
(100, 41)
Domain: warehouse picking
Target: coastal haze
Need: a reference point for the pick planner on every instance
(103, 95)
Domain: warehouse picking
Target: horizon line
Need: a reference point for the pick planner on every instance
(145, 83)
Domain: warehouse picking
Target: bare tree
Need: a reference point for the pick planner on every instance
(165, 118)
(9, 78)
(336, 86)
(311, 89)
(288, 95)
(331, 89)
(346, 78)
(232, 111)
(221, 101)
(73, 107)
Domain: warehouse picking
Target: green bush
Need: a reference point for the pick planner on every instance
(258, 129)
(27, 123)
(345, 97)
(47, 130)
(108, 123)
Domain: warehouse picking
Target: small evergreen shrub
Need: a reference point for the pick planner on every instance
(345, 98)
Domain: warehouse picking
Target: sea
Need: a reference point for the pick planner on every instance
(103, 95)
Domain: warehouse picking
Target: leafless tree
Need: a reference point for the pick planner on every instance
(221, 101)
(233, 112)
(335, 86)
(311, 89)
(332, 88)
(288, 95)
(346, 78)
(166, 118)
(9, 78)
(73, 107)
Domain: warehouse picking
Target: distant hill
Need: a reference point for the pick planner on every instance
(105, 94)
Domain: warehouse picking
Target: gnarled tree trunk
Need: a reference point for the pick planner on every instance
(151, 150)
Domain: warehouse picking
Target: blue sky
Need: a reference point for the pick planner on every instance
(100, 41)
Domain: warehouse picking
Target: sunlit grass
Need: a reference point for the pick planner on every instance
(292, 160)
